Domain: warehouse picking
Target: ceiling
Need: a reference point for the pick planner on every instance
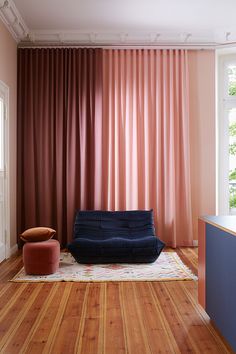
(121, 22)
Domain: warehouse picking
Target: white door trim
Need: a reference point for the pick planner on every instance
(4, 92)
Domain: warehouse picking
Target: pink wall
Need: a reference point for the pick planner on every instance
(8, 74)
(202, 133)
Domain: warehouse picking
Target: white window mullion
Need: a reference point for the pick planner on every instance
(226, 117)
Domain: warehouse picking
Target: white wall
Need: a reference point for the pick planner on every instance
(8, 74)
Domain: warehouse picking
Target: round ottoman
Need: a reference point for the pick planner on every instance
(41, 258)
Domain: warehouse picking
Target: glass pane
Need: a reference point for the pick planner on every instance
(232, 159)
(1, 135)
(232, 80)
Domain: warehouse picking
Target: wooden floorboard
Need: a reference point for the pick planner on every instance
(104, 318)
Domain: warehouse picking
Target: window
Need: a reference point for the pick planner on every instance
(227, 135)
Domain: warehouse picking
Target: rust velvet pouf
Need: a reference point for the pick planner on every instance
(41, 258)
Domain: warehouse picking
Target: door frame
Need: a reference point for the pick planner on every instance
(4, 92)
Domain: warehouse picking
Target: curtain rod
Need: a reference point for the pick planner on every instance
(169, 46)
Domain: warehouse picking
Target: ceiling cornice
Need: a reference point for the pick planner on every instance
(122, 39)
(13, 20)
(31, 38)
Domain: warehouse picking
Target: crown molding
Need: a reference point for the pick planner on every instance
(93, 39)
(40, 38)
(197, 40)
(13, 20)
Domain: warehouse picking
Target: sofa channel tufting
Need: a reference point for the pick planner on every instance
(115, 237)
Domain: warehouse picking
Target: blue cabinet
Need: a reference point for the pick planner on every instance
(220, 281)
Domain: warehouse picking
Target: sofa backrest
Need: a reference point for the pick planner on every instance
(106, 224)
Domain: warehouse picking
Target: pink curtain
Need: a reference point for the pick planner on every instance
(103, 129)
(146, 138)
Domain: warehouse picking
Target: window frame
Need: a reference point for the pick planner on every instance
(225, 102)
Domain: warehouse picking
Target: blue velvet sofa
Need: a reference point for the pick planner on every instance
(115, 237)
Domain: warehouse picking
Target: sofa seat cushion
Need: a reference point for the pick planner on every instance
(116, 242)
(113, 248)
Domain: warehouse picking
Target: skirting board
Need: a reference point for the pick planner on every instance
(12, 250)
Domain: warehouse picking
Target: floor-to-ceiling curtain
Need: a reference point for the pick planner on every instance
(146, 137)
(59, 115)
(104, 129)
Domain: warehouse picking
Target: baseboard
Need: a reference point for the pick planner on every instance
(12, 250)
(195, 243)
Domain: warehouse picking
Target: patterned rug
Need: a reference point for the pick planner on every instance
(167, 267)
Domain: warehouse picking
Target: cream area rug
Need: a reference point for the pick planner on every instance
(167, 267)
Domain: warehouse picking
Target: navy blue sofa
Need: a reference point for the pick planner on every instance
(115, 237)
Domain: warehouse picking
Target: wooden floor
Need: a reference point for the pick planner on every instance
(106, 318)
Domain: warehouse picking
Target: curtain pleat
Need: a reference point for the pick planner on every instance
(146, 137)
(103, 129)
(59, 111)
